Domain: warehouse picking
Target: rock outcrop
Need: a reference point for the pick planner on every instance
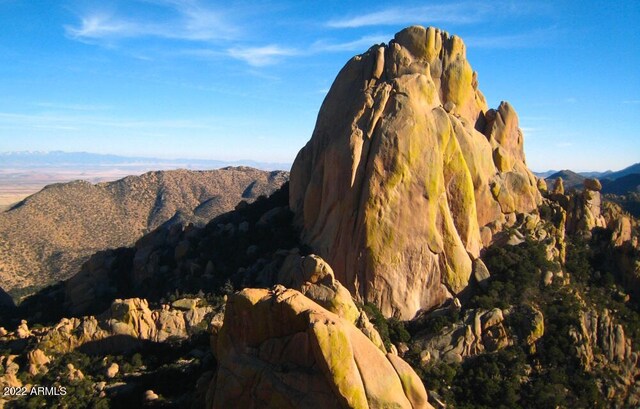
(279, 349)
(625, 240)
(314, 278)
(602, 345)
(10, 371)
(405, 166)
(122, 327)
(479, 331)
(584, 210)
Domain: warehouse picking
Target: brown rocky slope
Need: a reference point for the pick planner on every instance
(51, 233)
(409, 174)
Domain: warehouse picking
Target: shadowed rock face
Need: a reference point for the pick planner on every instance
(5, 299)
(408, 174)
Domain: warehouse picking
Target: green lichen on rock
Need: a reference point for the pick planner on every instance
(417, 143)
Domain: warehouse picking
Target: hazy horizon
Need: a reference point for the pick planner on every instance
(193, 79)
(248, 161)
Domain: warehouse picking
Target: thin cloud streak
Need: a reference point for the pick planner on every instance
(191, 22)
(462, 13)
(261, 56)
(467, 12)
(359, 45)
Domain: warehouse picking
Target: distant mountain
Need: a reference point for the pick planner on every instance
(593, 174)
(633, 169)
(622, 185)
(571, 180)
(597, 175)
(546, 174)
(27, 159)
(51, 233)
(620, 182)
(608, 174)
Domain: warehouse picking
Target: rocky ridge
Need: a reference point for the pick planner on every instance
(50, 234)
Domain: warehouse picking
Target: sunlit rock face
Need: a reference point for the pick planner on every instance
(408, 174)
(279, 349)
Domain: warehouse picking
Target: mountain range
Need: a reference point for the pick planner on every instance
(48, 235)
(609, 174)
(37, 159)
(621, 182)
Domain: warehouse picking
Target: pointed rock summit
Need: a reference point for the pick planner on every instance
(408, 173)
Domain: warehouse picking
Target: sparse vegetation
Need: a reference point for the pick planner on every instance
(515, 377)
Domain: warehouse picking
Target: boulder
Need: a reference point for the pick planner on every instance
(185, 303)
(312, 276)
(112, 370)
(74, 374)
(584, 212)
(480, 272)
(150, 395)
(558, 187)
(37, 361)
(405, 165)
(23, 330)
(592, 184)
(279, 349)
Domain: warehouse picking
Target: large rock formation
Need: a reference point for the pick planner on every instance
(406, 170)
(279, 349)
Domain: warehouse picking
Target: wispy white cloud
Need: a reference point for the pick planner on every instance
(261, 56)
(273, 53)
(465, 12)
(359, 45)
(405, 15)
(189, 21)
(100, 25)
(564, 144)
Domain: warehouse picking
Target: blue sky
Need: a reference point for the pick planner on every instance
(188, 78)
